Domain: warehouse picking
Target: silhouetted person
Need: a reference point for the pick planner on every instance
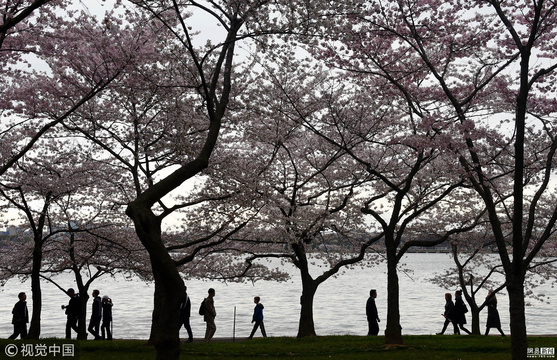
(209, 316)
(73, 310)
(449, 315)
(460, 310)
(371, 312)
(493, 320)
(257, 318)
(107, 318)
(96, 315)
(185, 312)
(20, 317)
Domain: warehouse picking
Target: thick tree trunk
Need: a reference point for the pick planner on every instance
(82, 323)
(393, 332)
(169, 287)
(475, 312)
(306, 326)
(519, 339)
(35, 325)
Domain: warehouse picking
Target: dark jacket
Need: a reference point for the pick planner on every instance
(459, 308)
(107, 312)
(73, 309)
(185, 308)
(493, 320)
(210, 311)
(258, 313)
(371, 309)
(450, 310)
(97, 308)
(20, 313)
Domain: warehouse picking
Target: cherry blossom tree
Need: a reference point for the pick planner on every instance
(15, 19)
(55, 196)
(477, 268)
(457, 63)
(174, 105)
(53, 61)
(307, 187)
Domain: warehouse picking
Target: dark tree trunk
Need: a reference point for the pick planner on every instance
(393, 331)
(169, 287)
(475, 312)
(35, 325)
(82, 321)
(306, 326)
(519, 339)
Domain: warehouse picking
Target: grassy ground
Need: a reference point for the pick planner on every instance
(333, 347)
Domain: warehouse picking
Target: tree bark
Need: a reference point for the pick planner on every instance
(475, 320)
(169, 286)
(82, 322)
(393, 331)
(35, 325)
(519, 339)
(306, 327)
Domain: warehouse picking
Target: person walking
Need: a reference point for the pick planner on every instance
(185, 312)
(493, 319)
(96, 315)
(371, 312)
(449, 315)
(209, 315)
(257, 318)
(20, 317)
(107, 318)
(73, 311)
(460, 311)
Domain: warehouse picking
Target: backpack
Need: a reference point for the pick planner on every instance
(202, 308)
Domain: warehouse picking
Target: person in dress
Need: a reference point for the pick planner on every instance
(493, 319)
(20, 317)
(257, 318)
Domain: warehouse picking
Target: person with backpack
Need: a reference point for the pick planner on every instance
(257, 318)
(106, 327)
(185, 311)
(209, 314)
(460, 311)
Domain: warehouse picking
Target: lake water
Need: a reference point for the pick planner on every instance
(339, 304)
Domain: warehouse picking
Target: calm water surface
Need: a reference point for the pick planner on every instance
(339, 304)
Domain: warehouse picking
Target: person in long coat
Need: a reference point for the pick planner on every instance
(460, 311)
(493, 319)
(449, 315)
